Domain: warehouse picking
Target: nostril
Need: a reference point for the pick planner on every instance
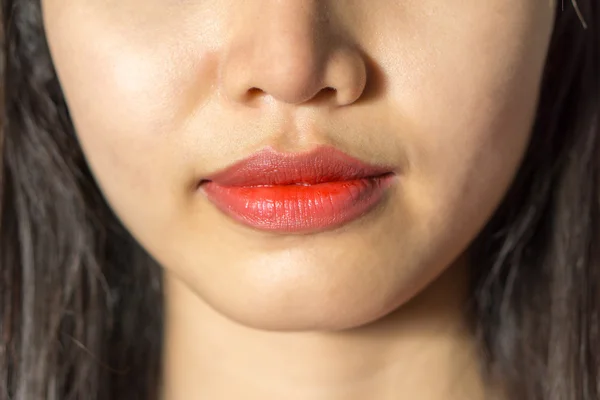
(254, 92)
(329, 92)
(325, 94)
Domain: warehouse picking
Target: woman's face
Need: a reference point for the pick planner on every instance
(164, 93)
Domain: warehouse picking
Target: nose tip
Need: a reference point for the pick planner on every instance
(292, 58)
(297, 78)
(294, 77)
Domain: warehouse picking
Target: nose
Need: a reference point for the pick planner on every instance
(290, 51)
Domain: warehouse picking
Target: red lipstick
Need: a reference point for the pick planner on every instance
(298, 192)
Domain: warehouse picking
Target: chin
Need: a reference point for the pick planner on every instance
(311, 300)
(261, 314)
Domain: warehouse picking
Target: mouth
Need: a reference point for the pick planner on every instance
(298, 192)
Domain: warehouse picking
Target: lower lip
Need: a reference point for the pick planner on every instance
(297, 208)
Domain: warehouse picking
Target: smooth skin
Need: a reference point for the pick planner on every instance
(165, 92)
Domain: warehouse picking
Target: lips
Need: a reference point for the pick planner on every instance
(298, 192)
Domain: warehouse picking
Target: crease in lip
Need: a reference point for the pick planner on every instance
(324, 164)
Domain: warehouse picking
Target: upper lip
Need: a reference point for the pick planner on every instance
(322, 164)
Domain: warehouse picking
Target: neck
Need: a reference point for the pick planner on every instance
(423, 350)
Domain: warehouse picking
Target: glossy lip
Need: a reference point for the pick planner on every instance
(298, 192)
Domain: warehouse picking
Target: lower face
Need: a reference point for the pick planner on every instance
(163, 95)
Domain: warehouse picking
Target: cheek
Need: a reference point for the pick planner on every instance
(129, 94)
(469, 100)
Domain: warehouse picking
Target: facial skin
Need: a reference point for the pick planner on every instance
(164, 93)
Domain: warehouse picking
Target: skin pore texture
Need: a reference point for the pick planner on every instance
(165, 92)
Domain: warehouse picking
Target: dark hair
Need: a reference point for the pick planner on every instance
(81, 301)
